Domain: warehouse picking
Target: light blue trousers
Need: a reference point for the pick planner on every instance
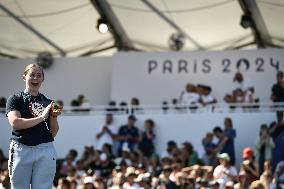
(32, 166)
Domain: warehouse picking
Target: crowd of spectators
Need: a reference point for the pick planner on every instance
(135, 164)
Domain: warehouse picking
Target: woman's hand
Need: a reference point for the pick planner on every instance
(46, 111)
(54, 112)
(56, 109)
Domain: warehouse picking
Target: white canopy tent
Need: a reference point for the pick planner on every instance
(70, 25)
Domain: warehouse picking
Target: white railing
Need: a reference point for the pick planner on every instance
(173, 109)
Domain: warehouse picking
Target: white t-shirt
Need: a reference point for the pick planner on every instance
(220, 173)
(207, 99)
(244, 85)
(189, 98)
(106, 138)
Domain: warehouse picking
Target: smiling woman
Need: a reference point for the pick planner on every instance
(32, 157)
(34, 76)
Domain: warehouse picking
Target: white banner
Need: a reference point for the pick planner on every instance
(155, 77)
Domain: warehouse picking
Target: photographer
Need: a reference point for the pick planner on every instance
(264, 146)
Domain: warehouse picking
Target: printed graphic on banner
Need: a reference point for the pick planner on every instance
(182, 66)
(158, 77)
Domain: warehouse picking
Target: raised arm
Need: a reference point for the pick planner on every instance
(18, 123)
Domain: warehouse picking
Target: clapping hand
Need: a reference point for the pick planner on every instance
(56, 109)
(46, 111)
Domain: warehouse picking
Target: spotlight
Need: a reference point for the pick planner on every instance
(176, 41)
(246, 21)
(102, 26)
(44, 59)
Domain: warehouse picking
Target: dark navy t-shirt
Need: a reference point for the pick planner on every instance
(30, 106)
(278, 92)
(125, 130)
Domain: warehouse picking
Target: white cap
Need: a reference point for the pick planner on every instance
(88, 179)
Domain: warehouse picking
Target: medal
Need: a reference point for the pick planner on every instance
(55, 107)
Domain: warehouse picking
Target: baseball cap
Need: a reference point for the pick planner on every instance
(130, 171)
(224, 156)
(247, 152)
(88, 179)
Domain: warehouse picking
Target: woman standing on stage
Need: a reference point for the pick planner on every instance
(33, 118)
